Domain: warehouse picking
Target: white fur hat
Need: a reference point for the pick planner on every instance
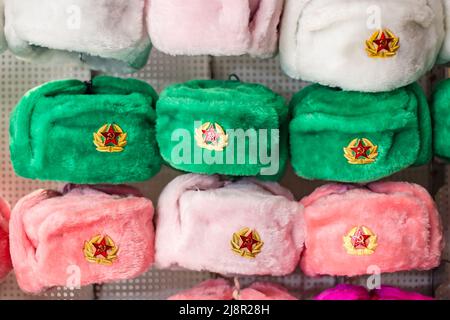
(2, 25)
(108, 35)
(444, 56)
(361, 45)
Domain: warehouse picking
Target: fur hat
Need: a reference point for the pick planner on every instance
(440, 109)
(71, 131)
(220, 289)
(5, 258)
(95, 234)
(394, 226)
(364, 45)
(358, 137)
(108, 35)
(352, 292)
(3, 44)
(223, 127)
(215, 27)
(245, 227)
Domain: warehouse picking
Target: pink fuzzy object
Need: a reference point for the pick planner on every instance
(5, 258)
(399, 221)
(215, 27)
(198, 217)
(53, 236)
(220, 289)
(352, 292)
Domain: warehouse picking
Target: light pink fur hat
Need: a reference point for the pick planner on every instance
(393, 226)
(220, 289)
(215, 27)
(5, 258)
(100, 234)
(204, 223)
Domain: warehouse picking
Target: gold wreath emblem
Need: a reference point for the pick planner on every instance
(370, 157)
(100, 140)
(100, 249)
(360, 241)
(211, 137)
(255, 245)
(382, 44)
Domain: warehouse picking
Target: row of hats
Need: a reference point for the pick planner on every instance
(115, 130)
(366, 46)
(204, 223)
(220, 289)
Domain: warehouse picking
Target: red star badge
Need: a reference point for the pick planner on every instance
(359, 239)
(102, 248)
(383, 43)
(248, 242)
(361, 150)
(211, 135)
(111, 136)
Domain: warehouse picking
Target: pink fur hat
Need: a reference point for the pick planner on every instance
(352, 292)
(220, 289)
(82, 236)
(5, 258)
(215, 27)
(246, 227)
(393, 226)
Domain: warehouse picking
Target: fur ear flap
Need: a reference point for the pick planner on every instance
(5, 257)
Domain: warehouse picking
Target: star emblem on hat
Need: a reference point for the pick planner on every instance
(360, 241)
(100, 249)
(110, 138)
(361, 151)
(247, 243)
(211, 136)
(382, 44)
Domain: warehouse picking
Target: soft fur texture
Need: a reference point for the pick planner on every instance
(403, 216)
(444, 56)
(5, 258)
(220, 289)
(51, 131)
(352, 292)
(233, 105)
(326, 120)
(49, 229)
(198, 215)
(324, 42)
(108, 35)
(215, 27)
(3, 44)
(440, 110)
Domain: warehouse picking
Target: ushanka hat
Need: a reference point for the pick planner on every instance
(246, 227)
(394, 226)
(353, 292)
(108, 35)
(223, 127)
(5, 258)
(220, 289)
(215, 27)
(440, 109)
(3, 44)
(99, 132)
(358, 137)
(101, 234)
(361, 45)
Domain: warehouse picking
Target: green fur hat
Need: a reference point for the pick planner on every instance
(99, 132)
(223, 127)
(440, 109)
(358, 137)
